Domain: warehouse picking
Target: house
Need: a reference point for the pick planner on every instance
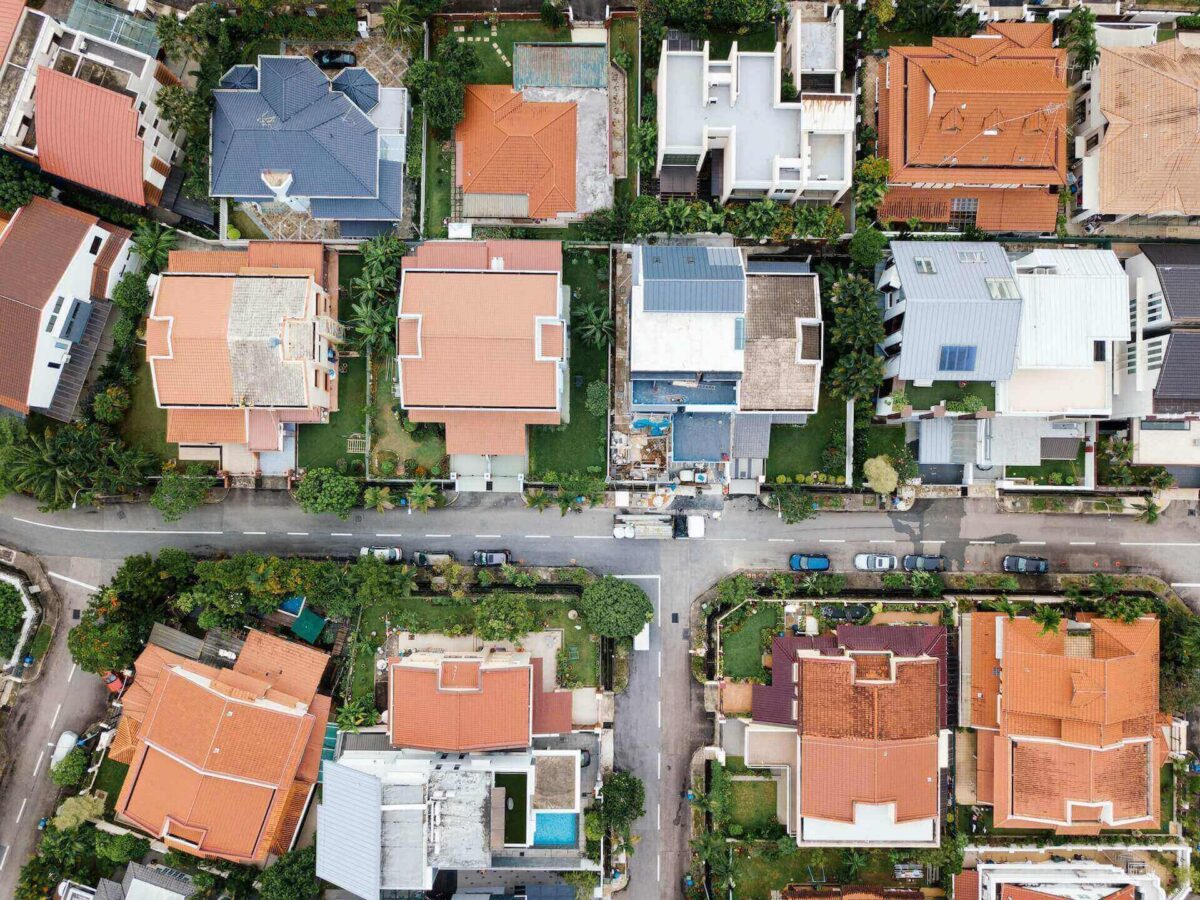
(1067, 729)
(720, 349)
(726, 130)
(975, 129)
(472, 702)
(223, 762)
(242, 347)
(1135, 106)
(286, 137)
(539, 150)
(58, 267)
(1081, 878)
(1000, 362)
(478, 770)
(854, 724)
(1156, 388)
(139, 883)
(502, 308)
(81, 99)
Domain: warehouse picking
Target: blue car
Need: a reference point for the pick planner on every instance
(809, 562)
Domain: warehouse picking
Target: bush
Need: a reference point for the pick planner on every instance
(866, 248)
(615, 608)
(131, 295)
(108, 407)
(503, 617)
(552, 15)
(880, 475)
(597, 398)
(179, 492)
(71, 769)
(324, 490)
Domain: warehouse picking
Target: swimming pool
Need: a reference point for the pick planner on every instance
(292, 606)
(555, 829)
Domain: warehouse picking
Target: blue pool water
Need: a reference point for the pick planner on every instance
(292, 605)
(555, 829)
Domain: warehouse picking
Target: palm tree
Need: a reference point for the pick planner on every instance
(594, 324)
(1105, 585)
(37, 469)
(378, 499)
(402, 24)
(1148, 511)
(152, 242)
(423, 495)
(761, 217)
(1004, 605)
(1049, 617)
(539, 500)
(678, 216)
(712, 218)
(372, 327)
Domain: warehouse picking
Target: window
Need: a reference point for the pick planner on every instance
(50, 324)
(1163, 425)
(95, 248)
(58, 304)
(1080, 112)
(955, 358)
(1002, 289)
(1093, 142)
(141, 130)
(739, 333)
(970, 256)
(54, 365)
(1099, 351)
(1155, 311)
(963, 211)
(924, 265)
(141, 108)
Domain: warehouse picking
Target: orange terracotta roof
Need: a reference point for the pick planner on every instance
(1148, 96)
(10, 16)
(194, 369)
(1047, 778)
(426, 713)
(540, 256)
(207, 261)
(988, 110)
(998, 209)
(489, 318)
(88, 134)
(837, 774)
(508, 145)
(835, 705)
(219, 752)
(966, 885)
(206, 426)
(985, 671)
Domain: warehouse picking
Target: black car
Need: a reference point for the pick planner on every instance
(845, 612)
(1025, 565)
(924, 563)
(335, 59)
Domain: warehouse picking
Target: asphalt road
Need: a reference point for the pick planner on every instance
(660, 719)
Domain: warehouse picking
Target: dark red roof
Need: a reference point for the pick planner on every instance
(902, 640)
(773, 702)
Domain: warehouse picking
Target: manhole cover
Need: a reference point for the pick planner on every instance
(75, 615)
(674, 618)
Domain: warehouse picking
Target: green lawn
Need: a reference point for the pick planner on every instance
(902, 39)
(264, 47)
(41, 642)
(623, 35)
(884, 440)
(439, 173)
(492, 69)
(752, 803)
(145, 425)
(109, 779)
(755, 876)
(1166, 794)
(742, 651)
(928, 397)
(515, 788)
(581, 444)
(759, 39)
(1057, 469)
(324, 444)
(796, 449)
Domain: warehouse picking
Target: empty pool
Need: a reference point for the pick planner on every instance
(555, 829)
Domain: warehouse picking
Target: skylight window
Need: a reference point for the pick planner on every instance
(925, 265)
(957, 358)
(970, 256)
(1003, 289)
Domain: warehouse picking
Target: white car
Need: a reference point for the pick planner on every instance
(387, 554)
(66, 743)
(874, 562)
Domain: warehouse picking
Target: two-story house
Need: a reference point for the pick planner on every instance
(58, 267)
(79, 99)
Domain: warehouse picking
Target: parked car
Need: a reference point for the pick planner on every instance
(1025, 565)
(875, 562)
(335, 59)
(430, 558)
(809, 562)
(65, 744)
(845, 612)
(114, 681)
(387, 554)
(491, 557)
(915, 562)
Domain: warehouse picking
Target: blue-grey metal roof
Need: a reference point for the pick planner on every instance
(751, 435)
(560, 66)
(364, 230)
(549, 892)
(360, 86)
(349, 830)
(692, 279)
(293, 122)
(240, 77)
(765, 265)
(953, 306)
(387, 207)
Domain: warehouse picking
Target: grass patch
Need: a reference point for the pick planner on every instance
(145, 425)
(492, 68)
(939, 391)
(887, 39)
(323, 445)
(264, 47)
(1166, 793)
(439, 171)
(1051, 471)
(41, 642)
(623, 35)
(884, 440)
(580, 444)
(515, 790)
(109, 779)
(755, 876)
(388, 434)
(752, 804)
(246, 226)
(742, 650)
(759, 39)
(796, 449)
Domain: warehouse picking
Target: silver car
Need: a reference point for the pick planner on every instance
(387, 554)
(875, 562)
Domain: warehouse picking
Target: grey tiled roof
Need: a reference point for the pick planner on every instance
(360, 86)
(751, 436)
(1178, 388)
(240, 76)
(293, 122)
(1178, 267)
(692, 279)
(388, 207)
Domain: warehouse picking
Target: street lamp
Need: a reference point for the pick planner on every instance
(75, 498)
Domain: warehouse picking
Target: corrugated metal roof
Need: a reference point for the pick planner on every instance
(175, 640)
(560, 66)
(349, 830)
(1081, 296)
(751, 436)
(692, 279)
(991, 328)
(952, 278)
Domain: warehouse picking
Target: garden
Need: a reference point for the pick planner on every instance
(746, 634)
(1052, 471)
(145, 424)
(818, 446)
(959, 396)
(324, 445)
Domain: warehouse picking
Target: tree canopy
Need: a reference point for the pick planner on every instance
(328, 491)
(292, 877)
(503, 617)
(615, 608)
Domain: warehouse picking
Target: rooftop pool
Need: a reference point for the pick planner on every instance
(555, 829)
